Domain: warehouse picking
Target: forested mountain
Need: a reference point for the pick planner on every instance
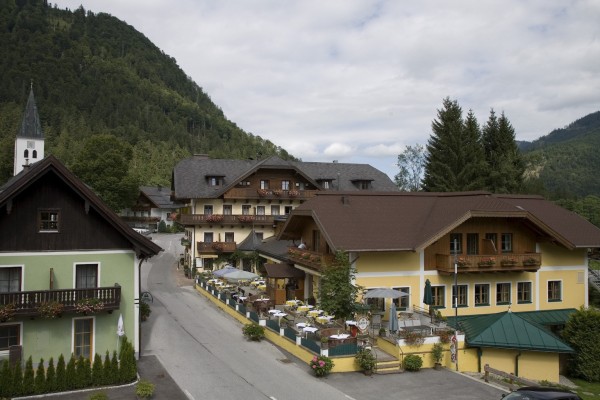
(567, 160)
(93, 74)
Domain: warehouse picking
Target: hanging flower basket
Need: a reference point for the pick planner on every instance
(214, 218)
(89, 306)
(293, 193)
(462, 262)
(263, 192)
(531, 262)
(487, 262)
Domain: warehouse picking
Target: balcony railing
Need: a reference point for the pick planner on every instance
(216, 247)
(308, 258)
(219, 219)
(253, 193)
(529, 262)
(26, 304)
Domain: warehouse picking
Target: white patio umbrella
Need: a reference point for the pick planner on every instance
(224, 270)
(384, 293)
(238, 274)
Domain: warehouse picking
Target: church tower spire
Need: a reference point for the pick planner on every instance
(29, 144)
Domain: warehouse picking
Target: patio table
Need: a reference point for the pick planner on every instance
(309, 329)
(315, 313)
(340, 336)
(325, 319)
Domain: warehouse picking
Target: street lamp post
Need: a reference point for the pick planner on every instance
(455, 304)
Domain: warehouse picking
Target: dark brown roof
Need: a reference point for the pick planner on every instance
(142, 246)
(189, 175)
(283, 271)
(413, 221)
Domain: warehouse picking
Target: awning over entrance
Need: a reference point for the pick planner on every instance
(283, 271)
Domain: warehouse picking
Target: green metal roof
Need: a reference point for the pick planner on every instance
(510, 331)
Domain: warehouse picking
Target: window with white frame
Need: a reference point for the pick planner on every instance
(462, 296)
(246, 209)
(86, 276)
(554, 291)
(482, 294)
(439, 296)
(49, 220)
(10, 335)
(275, 210)
(402, 303)
(83, 337)
(10, 279)
(285, 185)
(523, 292)
(456, 243)
(208, 209)
(264, 184)
(507, 242)
(502, 293)
(227, 209)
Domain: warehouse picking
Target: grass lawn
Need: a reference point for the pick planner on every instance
(587, 390)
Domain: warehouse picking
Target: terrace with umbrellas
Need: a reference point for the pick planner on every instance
(274, 301)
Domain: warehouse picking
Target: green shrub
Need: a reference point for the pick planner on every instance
(28, 377)
(50, 376)
(253, 331)
(70, 375)
(114, 368)
(40, 378)
(107, 370)
(581, 334)
(321, 365)
(97, 372)
(61, 374)
(412, 362)
(365, 359)
(17, 384)
(5, 380)
(437, 353)
(144, 389)
(127, 366)
(162, 227)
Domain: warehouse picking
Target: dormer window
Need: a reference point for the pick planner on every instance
(362, 184)
(326, 184)
(214, 180)
(49, 220)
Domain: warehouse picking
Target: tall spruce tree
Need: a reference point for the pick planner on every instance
(454, 160)
(505, 163)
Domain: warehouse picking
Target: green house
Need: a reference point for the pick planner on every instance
(69, 267)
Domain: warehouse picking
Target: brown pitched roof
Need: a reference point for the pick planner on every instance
(412, 221)
(142, 246)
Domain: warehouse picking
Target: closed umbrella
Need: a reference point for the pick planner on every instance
(393, 322)
(120, 331)
(428, 297)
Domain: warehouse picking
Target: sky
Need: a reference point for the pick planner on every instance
(358, 80)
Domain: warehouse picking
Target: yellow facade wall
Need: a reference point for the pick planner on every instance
(554, 255)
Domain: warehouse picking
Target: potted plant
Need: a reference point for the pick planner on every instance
(487, 261)
(324, 342)
(382, 331)
(144, 310)
(508, 262)
(321, 365)
(437, 353)
(366, 361)
(414, 338)
(412, 362)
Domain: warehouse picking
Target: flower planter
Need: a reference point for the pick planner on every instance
(485, 264)
(508, 264)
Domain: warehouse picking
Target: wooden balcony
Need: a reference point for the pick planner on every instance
(216, 247)
(307, 258)
(529, 262)
(269, 194)
(27, 303)
(219, 219)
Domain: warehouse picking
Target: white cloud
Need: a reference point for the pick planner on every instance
(359, 79)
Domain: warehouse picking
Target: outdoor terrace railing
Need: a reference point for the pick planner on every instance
(529, 262)
(308, 258)
(221, 219)
(27, 303)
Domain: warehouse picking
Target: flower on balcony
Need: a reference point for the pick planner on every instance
(218, 246)
(278, 192)
(315, 259)
(245, 218)
(508, 261)
(89, 305)
(487, 261)
(293, 193)
(462, 262)
(50, 309)
(7, 312)
(531, 261)
(214, 218)
(263, 192)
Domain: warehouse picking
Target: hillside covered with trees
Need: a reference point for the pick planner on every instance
(93, 74)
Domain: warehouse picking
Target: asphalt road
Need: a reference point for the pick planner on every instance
(205, 352)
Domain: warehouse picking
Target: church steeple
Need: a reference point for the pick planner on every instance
(29, 144)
